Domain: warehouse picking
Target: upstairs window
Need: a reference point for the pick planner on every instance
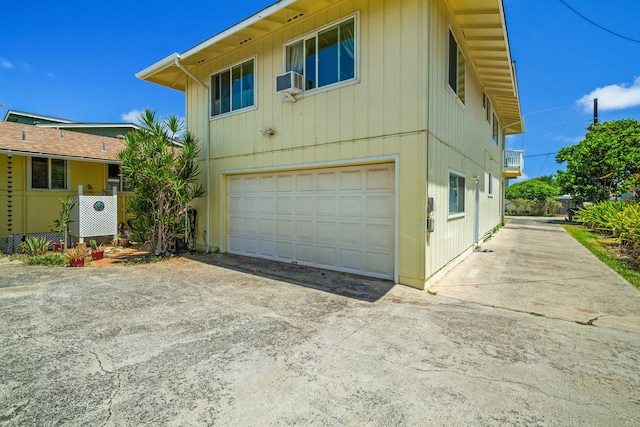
(496, 129)
(456, 65)
(233, 89)
(325, 57)
(48, 174)
(486, 102)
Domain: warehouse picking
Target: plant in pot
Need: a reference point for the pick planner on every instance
(62, 222)
(97, 250)
(75, 257)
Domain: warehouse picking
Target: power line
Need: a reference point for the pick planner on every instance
(598, 25)
(540, 155)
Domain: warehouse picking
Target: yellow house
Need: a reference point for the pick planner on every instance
(41, 164)
(355, 135)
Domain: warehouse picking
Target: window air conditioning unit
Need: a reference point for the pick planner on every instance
(290, 83)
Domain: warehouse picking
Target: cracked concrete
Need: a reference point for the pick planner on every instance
(223, 340)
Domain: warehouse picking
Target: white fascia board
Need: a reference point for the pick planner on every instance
(158, 66)
(269, 10)
(58, 156)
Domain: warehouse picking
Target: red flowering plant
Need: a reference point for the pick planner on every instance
(633, 187)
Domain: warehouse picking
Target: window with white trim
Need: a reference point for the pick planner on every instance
(456, 64)
(490, 185)
(456, 194)
(486, 102)
(115, 179)
(325, 57)
(233, 89)
(496, 129)
(48, 174)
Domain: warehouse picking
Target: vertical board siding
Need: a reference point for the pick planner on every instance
(460, 138)
(401, 93)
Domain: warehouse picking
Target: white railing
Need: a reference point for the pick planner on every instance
(513, 159)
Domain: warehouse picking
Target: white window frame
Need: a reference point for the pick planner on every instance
(456, 91)
(496, 129)
(459, 213)
(229, 68)
(490, 185)
(486, 104)
(110, 181)
(356, 46)
(67, 177)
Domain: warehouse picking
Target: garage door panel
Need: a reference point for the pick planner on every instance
(284, 250)
(351, 206)
(267, 248)
(305, 253)
(351, 259)
(380, 179)
(327, 181)
(326, 231)
(304, 205)
(379, 206)
(304, 182)
(305, 230)
(267, 184)
(339, 218)
(285, 183)
(379, 235)
(327, 206)
(351, 233)
(351, 180)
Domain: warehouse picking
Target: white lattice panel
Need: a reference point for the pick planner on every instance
(95, 216)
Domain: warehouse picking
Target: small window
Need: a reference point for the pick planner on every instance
(325, 57)
(486, 102)
(48, 174)
(115, 179)
(233, 89)
(496, 129)
(490, 185)
(456, 68)
(456, 194)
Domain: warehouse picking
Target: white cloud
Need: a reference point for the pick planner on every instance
(4, 63)
(132, 116)
(613, 97)
(50, 75)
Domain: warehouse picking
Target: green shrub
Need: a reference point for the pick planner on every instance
(53, 259)
(527, 207)
(34, 246)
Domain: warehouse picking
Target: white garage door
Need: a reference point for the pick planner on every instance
(339, 218)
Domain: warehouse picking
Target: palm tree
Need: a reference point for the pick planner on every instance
(159, 163)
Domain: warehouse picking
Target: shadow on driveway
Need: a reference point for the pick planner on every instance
(347, 285)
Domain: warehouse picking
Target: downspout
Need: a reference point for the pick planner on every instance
(206, 154)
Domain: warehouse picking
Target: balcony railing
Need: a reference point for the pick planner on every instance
(513, 163)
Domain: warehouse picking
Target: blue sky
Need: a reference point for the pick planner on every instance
(77, 60)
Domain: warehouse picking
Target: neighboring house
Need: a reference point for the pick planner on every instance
(104, 129)
(365, 137)
(40, 164)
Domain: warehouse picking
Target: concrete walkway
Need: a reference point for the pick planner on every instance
(533, 265)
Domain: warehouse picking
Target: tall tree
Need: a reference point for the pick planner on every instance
(599, 165)
(159, 163)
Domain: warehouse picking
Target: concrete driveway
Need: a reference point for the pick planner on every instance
(533, 265)
(224, 341)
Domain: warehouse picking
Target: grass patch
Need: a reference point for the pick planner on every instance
(605, 249)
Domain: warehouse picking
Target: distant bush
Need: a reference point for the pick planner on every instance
(526, 207)
(532, 189)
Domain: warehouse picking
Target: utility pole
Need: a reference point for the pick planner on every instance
(595, 111)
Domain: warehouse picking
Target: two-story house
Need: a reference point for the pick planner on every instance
(364, 136)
